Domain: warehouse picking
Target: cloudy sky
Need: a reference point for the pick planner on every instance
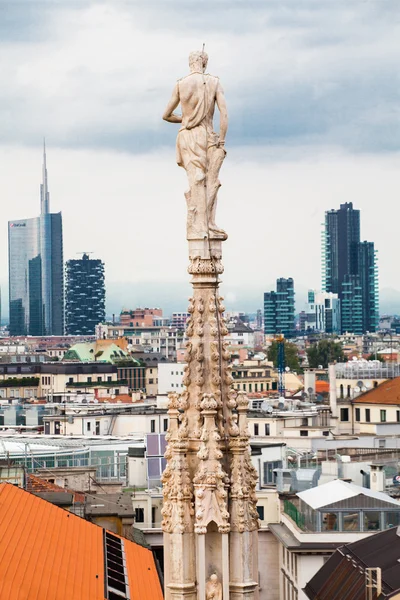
(313, 92)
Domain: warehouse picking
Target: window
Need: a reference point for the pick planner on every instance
(326, 433)
(303, 433)
(139, 515)
(97, 427)
(371, 521)
(261, 387)
(348, 391)
(260, 510)
(88, 426)
(351, 521)
(398, 416)
(344, 414)
(255, 428)
(269, 476)
(250, 387)
(329, 522)
(383, 416)
(368, 415)
(151, 381)
(109, 378)
(89, 380)
(165, 424)
(71, 380)
(152, 425)
(341, 390)
(266, 429)
(98, 379)
(244, 387)
(358, 414)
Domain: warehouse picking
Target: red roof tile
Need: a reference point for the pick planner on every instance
(38, 485)
(387, 392)
(49, 553)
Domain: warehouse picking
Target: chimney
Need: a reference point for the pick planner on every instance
(377, 481)
(332, 390)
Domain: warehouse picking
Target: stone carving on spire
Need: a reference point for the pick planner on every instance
(209, 514)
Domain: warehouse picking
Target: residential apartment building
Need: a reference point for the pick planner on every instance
(254, 376)
(322, 313)
(85, 295)
(279, 309)
(350, 270)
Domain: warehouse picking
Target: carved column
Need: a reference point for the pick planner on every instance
(210, 518)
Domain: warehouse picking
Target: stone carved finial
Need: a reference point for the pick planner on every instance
(213, 588)
(210, 494)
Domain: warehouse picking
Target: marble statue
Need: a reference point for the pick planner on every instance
(213, 588)
(200, 151)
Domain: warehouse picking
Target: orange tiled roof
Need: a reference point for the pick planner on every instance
(321, 386)
(120, 399)
(387, 392)
(47, 552)
(38, 485)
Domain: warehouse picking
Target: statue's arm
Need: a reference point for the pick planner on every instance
(223, 120)
(171, 106)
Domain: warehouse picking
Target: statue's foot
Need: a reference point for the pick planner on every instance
(217, 233)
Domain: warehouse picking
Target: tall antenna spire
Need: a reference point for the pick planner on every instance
(44, 192)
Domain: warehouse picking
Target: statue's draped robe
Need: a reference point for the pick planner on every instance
(196, 136)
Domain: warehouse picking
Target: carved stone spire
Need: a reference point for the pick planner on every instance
(210, 519)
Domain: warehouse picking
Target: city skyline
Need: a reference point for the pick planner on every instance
(314, 125)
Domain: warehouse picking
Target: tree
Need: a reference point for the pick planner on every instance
(291, 355)
(325, 352)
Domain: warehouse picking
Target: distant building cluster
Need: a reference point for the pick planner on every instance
(38, 303)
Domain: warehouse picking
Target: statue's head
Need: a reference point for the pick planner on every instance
(198, 61)
(214, 578)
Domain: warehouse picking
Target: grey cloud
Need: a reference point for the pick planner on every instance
(309, 73)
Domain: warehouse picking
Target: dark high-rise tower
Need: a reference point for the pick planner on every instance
(85, 295)
(342, 232)
(350, 270)
(36, 279)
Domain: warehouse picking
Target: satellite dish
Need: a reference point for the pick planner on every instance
(368, 385)
(360, 384)
(304, 395)
(357, 389)
(287, 369)
(281, 405)
(269, 409)
(310, 390)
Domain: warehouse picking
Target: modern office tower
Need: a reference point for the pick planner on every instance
(368, 274)
(352, 305)
(85, 295)
(36, 278)
(349, 268)
(342, 232)
(279, 309)
(323, 312)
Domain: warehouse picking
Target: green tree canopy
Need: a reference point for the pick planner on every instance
(325, 352)
(291, 355)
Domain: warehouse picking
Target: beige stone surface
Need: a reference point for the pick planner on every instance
(210, 521)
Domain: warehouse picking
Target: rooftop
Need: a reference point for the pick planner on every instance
(387, 392)
(349, 563)
(338, 490)
(47, 552)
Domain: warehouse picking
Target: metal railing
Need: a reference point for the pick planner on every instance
(290, 509)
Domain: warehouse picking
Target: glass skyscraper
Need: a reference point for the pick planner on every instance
(85, 295)
(350, 270)
(36, 278)
(279, 309)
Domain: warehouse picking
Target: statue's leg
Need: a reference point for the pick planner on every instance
(196, 203)
(216, 157)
